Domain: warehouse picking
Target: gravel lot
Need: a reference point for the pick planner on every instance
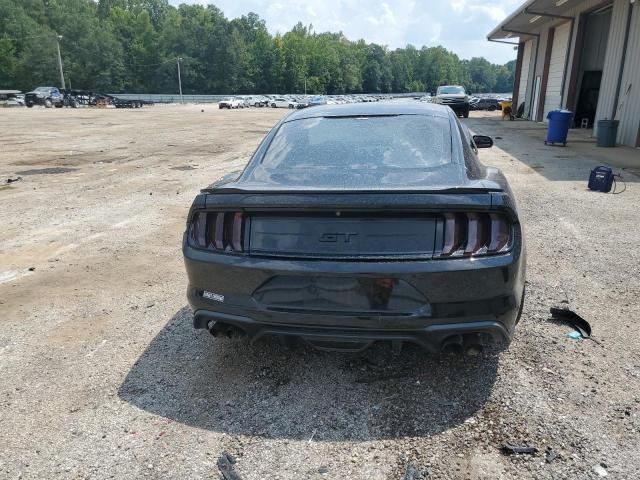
(102, 375)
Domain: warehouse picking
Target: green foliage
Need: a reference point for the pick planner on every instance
(134, 46)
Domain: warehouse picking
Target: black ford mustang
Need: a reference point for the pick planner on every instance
(358, 223)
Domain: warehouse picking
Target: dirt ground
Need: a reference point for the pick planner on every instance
(103, 376)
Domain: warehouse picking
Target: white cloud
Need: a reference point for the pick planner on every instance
(458, 25)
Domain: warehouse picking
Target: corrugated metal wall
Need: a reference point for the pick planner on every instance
(556, 68)
(544, 31)
(628, 111)
(524, 75)
(539, 47)
(612, 61)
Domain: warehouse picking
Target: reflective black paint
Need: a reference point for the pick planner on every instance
(325, 283)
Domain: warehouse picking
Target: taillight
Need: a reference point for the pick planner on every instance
(219, 231)
(467, 234)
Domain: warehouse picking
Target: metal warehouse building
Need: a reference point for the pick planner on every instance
(582, 55)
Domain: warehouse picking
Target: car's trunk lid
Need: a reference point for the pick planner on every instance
(343, 235)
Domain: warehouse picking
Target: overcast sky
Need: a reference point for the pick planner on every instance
(459, 25)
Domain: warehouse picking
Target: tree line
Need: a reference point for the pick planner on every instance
(134, 45)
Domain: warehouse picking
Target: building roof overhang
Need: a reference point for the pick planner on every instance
(525, 22)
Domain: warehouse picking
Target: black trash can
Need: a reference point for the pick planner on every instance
(607, 133)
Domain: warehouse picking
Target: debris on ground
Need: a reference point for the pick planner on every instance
(509, 449)
(600, 470)
(550, 455)
(225, 465)
(13, 180)
(572, 319)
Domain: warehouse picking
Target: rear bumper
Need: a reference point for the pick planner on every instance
(463, 296)
(431, 337)
(458, 107)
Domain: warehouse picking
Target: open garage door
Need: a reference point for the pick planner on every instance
(553, 97)
(593, 55)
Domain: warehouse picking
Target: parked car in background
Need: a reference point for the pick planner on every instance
(490, 104)
(359, 223)
(282, 102)
(455, 97)
(11, 98)
(230, 102)
(300, 100)
(45, 96)
(258, 101)
(244, 100)
(318, 100)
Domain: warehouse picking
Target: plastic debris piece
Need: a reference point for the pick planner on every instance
(573, 319)
(575, 335)
(518, 449)
(600, 470)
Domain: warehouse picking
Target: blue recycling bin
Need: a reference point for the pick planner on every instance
(559, 123)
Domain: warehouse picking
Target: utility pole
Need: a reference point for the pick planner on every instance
(58, 38)
(180, 80)
(305, 85)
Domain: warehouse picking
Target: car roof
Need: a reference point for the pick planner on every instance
(367, 109)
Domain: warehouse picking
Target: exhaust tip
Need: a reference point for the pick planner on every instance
(220, 329)
(473, 350)
(473, 345)
(452, 345)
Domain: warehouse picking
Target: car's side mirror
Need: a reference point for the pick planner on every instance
(483, 141)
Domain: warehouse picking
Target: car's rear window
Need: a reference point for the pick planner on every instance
(340, 145)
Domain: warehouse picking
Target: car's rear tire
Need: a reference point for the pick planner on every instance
(59, 105)
(29, 105)
(492, 108)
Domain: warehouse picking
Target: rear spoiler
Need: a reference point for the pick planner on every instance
(394, 201)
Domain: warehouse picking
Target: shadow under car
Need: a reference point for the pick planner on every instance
(275, 391)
